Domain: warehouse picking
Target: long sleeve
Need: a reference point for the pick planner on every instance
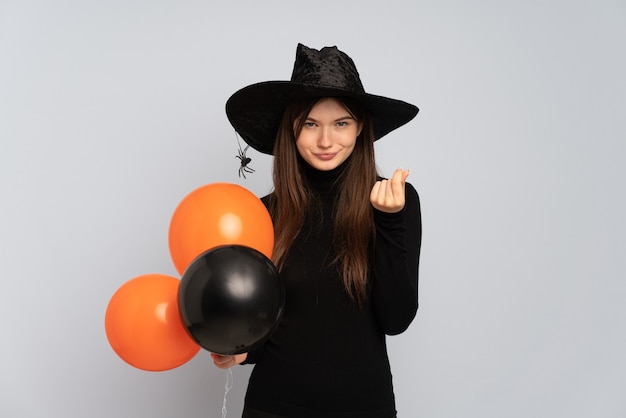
(396, 262)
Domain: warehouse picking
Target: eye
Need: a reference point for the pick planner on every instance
(342, 123)
(309, 124)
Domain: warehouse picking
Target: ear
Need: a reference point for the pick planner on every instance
(360, 128)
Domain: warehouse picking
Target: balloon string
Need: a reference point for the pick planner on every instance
(227, 387)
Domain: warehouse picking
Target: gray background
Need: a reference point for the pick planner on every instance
(112, 111)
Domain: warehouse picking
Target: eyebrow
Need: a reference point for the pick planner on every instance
(336, 120)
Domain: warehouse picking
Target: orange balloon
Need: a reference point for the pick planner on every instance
(144, 326)
(219, 214)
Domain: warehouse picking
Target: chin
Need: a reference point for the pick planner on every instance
(326, 165)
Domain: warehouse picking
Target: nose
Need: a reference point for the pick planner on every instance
(324, 141)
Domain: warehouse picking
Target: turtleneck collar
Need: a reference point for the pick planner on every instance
(322, 181)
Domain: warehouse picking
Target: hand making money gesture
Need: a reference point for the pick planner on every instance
(388, 194)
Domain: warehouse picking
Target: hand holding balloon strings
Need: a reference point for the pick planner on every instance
(227, 361)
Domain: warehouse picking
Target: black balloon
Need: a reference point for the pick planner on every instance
(231, 299)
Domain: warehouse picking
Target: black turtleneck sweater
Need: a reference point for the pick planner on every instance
(328, 356)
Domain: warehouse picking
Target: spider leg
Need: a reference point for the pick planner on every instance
(243, 169)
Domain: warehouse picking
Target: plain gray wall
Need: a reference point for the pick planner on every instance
(112, 111)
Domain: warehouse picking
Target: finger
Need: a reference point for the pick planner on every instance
(389, 188)
(400, 176)
(386, 195)
(223, 362)
(217, 357)
(226, 365)
(381, 192)
(392, 190)
(405, 174)
(397, 183)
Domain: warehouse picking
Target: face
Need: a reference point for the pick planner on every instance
(328, 136)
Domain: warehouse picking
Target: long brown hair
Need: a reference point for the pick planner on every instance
(292, 200)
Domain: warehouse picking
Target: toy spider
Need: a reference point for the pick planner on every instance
(243, 169)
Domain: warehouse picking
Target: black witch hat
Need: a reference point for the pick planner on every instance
(256, 110)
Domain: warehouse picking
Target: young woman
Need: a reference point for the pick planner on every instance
(347, 242)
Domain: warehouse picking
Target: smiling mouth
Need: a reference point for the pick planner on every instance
(325, 157)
